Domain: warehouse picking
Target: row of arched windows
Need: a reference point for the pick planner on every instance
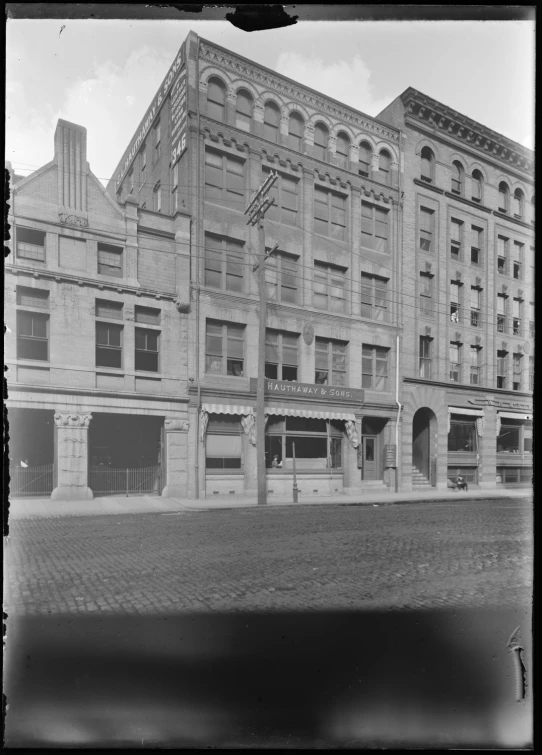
(244, 106)
(514, 204)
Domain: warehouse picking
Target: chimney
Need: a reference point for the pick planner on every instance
(71, 159)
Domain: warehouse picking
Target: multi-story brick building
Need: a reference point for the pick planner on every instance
(216, 128)
(467, 299)
(96, 346)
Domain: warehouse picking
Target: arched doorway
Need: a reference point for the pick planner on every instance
(424, 431)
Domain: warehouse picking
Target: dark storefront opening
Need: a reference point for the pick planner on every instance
(424, 428)
(126, 454)
(31, 451)
(318, 443)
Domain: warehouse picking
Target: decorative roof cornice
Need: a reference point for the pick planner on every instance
(422, 108)
(294, 91)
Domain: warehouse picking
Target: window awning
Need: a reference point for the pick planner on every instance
(464, 410)
(226, 409)
(314, 413)
(515, 415)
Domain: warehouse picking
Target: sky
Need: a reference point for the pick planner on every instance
(102, 74)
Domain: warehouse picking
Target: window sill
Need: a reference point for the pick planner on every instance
(110, 370)
(466, 201)
(429, 186)
(512, 219)
(23, 362)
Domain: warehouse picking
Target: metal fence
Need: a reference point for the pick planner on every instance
(31, 481)
(142, 481)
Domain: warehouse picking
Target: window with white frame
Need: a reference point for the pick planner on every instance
(342, 151)
(330, 362)
(223, 445)
(224, 348)
(426, 293)
(426, 223)
(425, 351)
(30, 244)
(110, 260)
(476, 186)
(216, 99)
(296, 126)
(456, 228)
(109, 344)
(455, 300)
(374, 297)
(281, 355)
(516, 316)
(477, 241)
(285, 192)
(384, 167)
(224, 260)
(32, 326)
(281, 278)
(455, 361)
(475, 306)
(374, 367)
(457, 178)
(329, 213)
(329, 287)
(502, 255)
(475, 365)
(517, 262)
(374, 227)
(147, 350)
(321, 140)
(502, 368)
(516, 371)
(365, 159)
(271, 122)
(243, 110)
(502, 311)
(224, 179)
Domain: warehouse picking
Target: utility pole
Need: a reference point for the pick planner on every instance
(256, 212)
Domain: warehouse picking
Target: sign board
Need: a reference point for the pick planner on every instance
(178, 112)
(390, 455)
(502, 403)
(310, 391)
(151, 114)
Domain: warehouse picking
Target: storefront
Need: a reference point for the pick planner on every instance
(465, 441)
(514, 448)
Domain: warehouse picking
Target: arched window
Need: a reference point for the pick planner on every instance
(320, 141)
(271, 121)
(384, 163)
(476, 186)
(343, 150)
(295, 131)
(243, 111)
(365, 157)
(518, 203)
(216, 99)
(503, 197)
(427, 160)
(457, 178)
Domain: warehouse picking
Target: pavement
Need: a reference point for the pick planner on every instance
(24, 508)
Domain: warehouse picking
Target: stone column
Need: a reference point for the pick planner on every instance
(194, 444)
(72, 457)
(176, 458)
(351, 472)
(487, 444)
(251, 469)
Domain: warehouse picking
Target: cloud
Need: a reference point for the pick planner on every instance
(345, 81)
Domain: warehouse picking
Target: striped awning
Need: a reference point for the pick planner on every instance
(464, 410)
(515, 415)
(226, 409)
(315, 413)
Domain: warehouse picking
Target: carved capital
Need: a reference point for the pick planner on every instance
(72, 420)
(71, 219)
(176, 424)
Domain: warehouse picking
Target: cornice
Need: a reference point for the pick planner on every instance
(71, 391)
(466, 388)
(504, 216)
(155, 232)
(449, 122)
(293, 91)
(427, 185)
(464, 200)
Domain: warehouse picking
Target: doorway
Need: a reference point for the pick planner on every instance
(370, 466)
(424, 427)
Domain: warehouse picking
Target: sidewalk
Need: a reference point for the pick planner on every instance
(25, 508)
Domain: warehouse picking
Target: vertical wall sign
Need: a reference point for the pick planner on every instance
(178, 117)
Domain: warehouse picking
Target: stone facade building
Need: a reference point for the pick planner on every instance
(96, 346)
(467, 299)
(332, 312)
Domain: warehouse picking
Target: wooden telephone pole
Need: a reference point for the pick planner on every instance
(256, 212)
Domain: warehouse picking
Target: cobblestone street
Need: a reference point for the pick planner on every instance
(333, 557)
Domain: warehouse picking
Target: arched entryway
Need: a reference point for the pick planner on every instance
(424, 448)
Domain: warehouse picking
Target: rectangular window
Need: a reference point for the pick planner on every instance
(281, 359)
(111, 310)
(501, 313)
(31, 244)
(146, 349)
(509, 438)
(455, 239)
(454, 301)
(475, 365)
(224, 348)
(477, 236)
(502, 369)
(32, 297)
(374, 297)
(317, 443)
(463, 436)
(224, 180)
(475, 306)
(425, 356)
(147, 315)
(455, 362)
(329, 213)
(158, 198)
(32, 336)
(108, 345)
(157, 141)
(374, 227)
(516, 316)
(516, 371)
(518, 260)
(281, 275)
(427, 219)
(223, 445)
(374, 367)
(224, 266)
(330, 362)
(109, 260)
(426, 294)
(285, 192)
(502, 255)
(329, 287)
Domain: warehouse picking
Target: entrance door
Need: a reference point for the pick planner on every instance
(370, 466)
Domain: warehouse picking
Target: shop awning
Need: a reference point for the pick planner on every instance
(226, 409)
(315, 413)
(464, 410)
(515, 415)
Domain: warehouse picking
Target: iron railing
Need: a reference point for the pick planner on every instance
(31, 481)
(138, 481)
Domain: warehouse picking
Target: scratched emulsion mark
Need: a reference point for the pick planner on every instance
(516, 649)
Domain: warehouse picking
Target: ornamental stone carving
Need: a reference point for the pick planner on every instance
(71, 219)
(308, 333)
(72, 420)
(177, 424)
